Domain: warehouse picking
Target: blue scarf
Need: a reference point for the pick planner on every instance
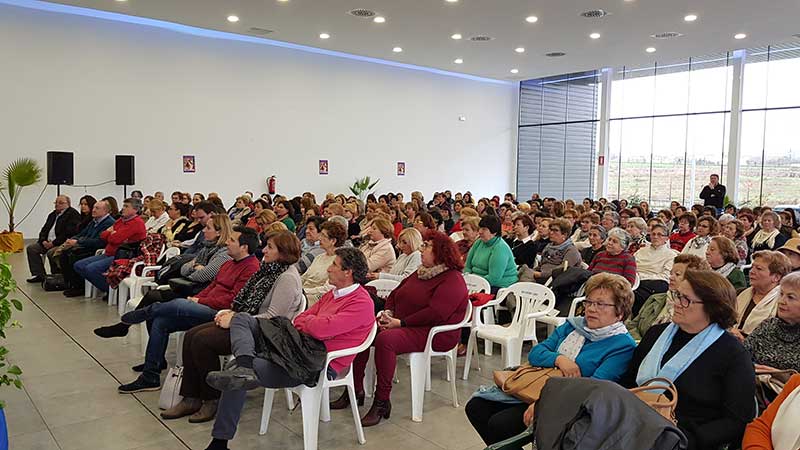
(681, 360)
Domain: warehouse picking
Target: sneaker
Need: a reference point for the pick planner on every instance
(139, 385)
(134, 317)
(35, 279)
(116, 330)
(74, 292)
(232, 380)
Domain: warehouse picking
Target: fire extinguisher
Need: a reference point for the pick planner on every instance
(271, 185)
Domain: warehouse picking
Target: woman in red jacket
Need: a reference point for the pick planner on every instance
(433, 295)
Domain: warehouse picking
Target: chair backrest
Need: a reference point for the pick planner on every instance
(530, 298)
(171, 252)
(636, 283)
(574, 307)
(476, 283)
(384, 287)
(355, 350)
(303, 305)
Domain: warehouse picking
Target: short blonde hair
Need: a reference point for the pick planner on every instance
(472, 222)
(384, 226)
(778, 263)
(267, 216)
(275, 227)
(156, 204)
(468, 212)
(620, 288)
(222, 223)
(413, 237)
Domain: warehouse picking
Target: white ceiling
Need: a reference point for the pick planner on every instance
(423, 29)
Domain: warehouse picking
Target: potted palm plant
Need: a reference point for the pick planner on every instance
(9, 374)
(19, 174)
(361, 188)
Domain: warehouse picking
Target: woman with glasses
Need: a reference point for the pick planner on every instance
(707, 227)
(596, 346)
(760, 301)
(559, 249)
(710, 368)
(653, 265)
(769, 236)
(774, 344)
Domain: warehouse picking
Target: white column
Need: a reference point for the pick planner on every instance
(735, 136)
(601, 183)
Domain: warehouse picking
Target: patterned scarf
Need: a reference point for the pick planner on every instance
(571, 346)
(726, 269)
(426, 273)
(554, 254)
(254, 292)
(765, 237)
(699, 241)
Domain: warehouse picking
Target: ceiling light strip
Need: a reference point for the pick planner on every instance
(196, 31)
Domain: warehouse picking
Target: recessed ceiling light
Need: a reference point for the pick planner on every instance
(397, 49)
(379, 19)
(451, 1)
(739, 36)
(324, 35)
(455, 36)
(650, 49)
(531, 19)
(690, 18)
(233, 19)
(120, 1)
(459, 61)
(514, 70)
(520, 49)
(283, 1)
(595, 35)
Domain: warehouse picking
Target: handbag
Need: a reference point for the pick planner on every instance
(129, 250)
(525, 382)
(170, 391)
(184, 287)
(53, 282)
(660, 397)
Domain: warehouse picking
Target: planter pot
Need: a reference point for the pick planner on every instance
(3, 430)
(11, 243)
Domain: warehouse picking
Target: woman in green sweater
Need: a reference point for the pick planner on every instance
(284, 210)
(658, 307)
(723, 258)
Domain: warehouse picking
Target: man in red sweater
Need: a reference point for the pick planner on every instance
(128, 229)
(181, 314)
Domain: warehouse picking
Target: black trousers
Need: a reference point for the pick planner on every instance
(495, 421)
(645, 290)
(67, 259)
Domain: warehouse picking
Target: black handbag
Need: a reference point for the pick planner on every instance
(172, 268)
(53, 282)
(128, 251)
(184, 287)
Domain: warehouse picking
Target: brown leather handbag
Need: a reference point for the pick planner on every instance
(661, 397)
(525, 382)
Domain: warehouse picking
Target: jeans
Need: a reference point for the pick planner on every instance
(93, 268)
(179, 314)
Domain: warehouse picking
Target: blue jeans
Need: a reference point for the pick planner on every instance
(93, 268)
(178, 314)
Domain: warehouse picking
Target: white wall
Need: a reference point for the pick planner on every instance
(247, 111)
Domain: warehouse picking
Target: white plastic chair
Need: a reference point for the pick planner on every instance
(132, 285)
(534, 301)
(476, 283)
(88, 288)
(314, 401)
(421, 367)
(384, 287)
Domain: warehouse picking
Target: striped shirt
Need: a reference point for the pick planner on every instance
(623, 264)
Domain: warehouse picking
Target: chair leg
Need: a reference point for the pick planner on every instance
(112, 296)
(489, 320)
(369, 374)
(512, 353)
(179, 349)
(419, 372)
(351, 391)
(310, 399)
(88, 289)
(122, 297)
(289, 399)
(472, 343)
(451, 370)
(325, 405)
(266, 410)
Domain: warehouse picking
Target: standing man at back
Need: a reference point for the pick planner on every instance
(713, 194)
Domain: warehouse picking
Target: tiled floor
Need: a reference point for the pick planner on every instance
(70, 400)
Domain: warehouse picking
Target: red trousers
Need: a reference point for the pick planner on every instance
(390, 343)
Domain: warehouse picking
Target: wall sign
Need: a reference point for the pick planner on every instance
(323, 166)
(189, 164)
(401, 169)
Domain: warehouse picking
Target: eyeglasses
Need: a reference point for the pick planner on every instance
(683, 300)
(596, 304)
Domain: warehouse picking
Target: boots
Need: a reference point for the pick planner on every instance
(206, 412)
(185, 407)
(344, 401)
(381, 409)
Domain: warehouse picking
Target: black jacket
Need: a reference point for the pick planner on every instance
(302, 356)
(66, 226)
(583, 413)
(713, 197)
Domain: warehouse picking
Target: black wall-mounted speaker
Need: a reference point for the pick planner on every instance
(126, 170)
(60, 168)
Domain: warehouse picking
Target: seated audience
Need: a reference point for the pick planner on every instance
(723, 258)
(685, 233)
(777, 428)
(310, 247)
(178, 223)
(760, 301)
(274, 290)
(707, 227)
(332, 236)
(581, 235)
(343, 318)
(491, 257)
(201, 213)
(213, 252)
(469, 234)
(83, 245)
(409, 260)
(379, 250)
(734, 230)
(710, 369)
(559, 250)
(653, 264)
(522, 245)
(596, 346)
(637, 229)
(181, 314)
(792, 250)
(128, 229)
(240, 211)
(86, 206)
(769, 236)
(774, 343)
(616, 259)
(158, 216)
(285, 211)
(61, 224)
(788, 227)
(658, 308)
(597, 239)
(610, 220)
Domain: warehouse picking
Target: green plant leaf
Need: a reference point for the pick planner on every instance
(17, 304)
(14, 370)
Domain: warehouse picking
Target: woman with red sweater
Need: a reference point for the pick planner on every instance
(685, 233)
(616, 258)
(435, 294)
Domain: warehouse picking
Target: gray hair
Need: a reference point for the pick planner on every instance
(661, 227)
(791, 280)
(339, 219)
(136, 203)
(614, 216)
(621, 235)
(354, 260)
(600, 229)
(639, 222)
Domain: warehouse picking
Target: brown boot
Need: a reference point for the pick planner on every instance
(344, 401)
(380, 409)
(185, 407)
(206, 412)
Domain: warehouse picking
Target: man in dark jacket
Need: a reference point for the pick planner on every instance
(84, 245)
(713, 194)
(61, 223)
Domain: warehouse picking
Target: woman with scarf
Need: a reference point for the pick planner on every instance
(707, 227)
(734, 230)
(723, 258)
(759, 302)
(559, 249)
(774, 344)
(379, 250)
(653, 264)
(275, 290)
(769, 237)
(637, 228)
(581, 235)
(597, 239)
(595, 346)
(710, 368)
(658, 308)
(616, 259)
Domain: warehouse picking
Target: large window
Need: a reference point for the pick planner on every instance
(558, 136)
